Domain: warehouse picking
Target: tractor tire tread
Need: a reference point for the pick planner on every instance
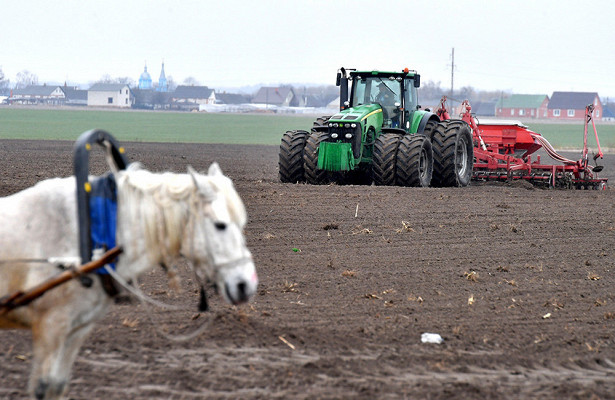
(313, 175)
(384, 159)
(408, 168)
(291, 156)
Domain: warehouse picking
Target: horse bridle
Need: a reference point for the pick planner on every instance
(202, 208)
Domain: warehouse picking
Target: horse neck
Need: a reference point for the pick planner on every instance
(150, 228)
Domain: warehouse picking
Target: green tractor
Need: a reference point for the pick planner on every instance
(380, 136)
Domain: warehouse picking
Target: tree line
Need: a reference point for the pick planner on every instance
(429, 90)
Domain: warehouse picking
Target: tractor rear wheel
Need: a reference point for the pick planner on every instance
(414, 165)
(430, 128)
(453, 154)
(384, 157)
(313, 175)
(291, 157)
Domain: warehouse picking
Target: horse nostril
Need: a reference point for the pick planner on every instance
(220, 226)
(241, 294)
(241, 290)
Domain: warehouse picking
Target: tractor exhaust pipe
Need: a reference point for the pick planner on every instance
(342, 82)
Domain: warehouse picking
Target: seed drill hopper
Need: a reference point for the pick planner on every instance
(503, 152)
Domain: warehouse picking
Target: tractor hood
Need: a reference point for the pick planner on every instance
(357, 114)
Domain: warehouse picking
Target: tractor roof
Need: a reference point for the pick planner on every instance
(405, 72)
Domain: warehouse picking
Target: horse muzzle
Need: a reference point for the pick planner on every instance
(239, 283)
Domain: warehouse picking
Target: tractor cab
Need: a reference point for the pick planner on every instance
(394, 92)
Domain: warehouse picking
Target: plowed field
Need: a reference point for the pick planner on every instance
(518, 282)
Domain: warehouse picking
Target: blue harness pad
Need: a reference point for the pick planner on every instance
(103, 214)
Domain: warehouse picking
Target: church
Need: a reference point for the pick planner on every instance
(145, 81)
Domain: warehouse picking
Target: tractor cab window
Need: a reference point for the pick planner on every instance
(376, 90)
(379, 90)
(410, 101)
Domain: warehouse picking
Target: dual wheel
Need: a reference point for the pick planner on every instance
(443, 156)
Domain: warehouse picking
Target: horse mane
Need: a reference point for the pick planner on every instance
(158, 206)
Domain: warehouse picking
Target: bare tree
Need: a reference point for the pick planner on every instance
(105, 79)
(171, 84)
(4, 83)
(431, 90)
(125, 80)
(25, 78)
(191, 81)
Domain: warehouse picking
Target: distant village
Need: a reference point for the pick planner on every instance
(561, 105)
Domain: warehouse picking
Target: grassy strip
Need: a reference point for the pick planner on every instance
(48, 124)
(144, 126)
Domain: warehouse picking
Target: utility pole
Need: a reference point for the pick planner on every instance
(452, 70)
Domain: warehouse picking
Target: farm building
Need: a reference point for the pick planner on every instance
(277, 96)
(110, 95)
(571, 105)
(523, 106)
(49, 95)
(37, 94)
(74, 96)
(608, 112)
(192, 96)
(484, 108)
(232, 98)
(150, 99)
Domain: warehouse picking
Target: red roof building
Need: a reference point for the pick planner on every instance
(571, 105)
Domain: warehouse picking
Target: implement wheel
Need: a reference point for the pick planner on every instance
(313, 175)
(384, 159)
(291, 157)
(453, 153)
(414, 165)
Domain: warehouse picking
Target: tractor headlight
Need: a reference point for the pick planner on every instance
(334, 136)
(348, 136)
(346, 125)
(353, 125)
(331, 124)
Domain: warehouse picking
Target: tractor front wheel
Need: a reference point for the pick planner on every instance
(453, 153)
(384, 159)
(414, 166)
(291, 157)
(321, 121)
(313, 175)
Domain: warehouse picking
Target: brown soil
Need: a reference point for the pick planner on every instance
(518, 282)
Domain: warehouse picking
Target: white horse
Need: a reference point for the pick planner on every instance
(160, 217)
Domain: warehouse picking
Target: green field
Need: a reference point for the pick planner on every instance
(144, 126)
(570, 135)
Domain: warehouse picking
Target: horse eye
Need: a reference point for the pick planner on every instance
(220, 226)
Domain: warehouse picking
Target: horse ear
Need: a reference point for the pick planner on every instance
(214, 169)
(193, 174)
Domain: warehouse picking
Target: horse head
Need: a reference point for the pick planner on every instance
(201, 217)
(215, 244)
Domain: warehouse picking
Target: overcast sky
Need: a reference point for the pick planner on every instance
(527, 46)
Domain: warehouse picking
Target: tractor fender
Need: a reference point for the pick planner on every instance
(427, 116)
(323, 128)
(399, 131)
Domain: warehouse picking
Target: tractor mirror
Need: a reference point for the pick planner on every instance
(338, 79)
(417, 80)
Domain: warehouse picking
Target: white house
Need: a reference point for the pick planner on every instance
(110, 95)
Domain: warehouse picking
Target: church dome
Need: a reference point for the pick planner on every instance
(145, 80)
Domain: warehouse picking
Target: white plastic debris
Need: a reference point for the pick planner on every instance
(431, 338)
